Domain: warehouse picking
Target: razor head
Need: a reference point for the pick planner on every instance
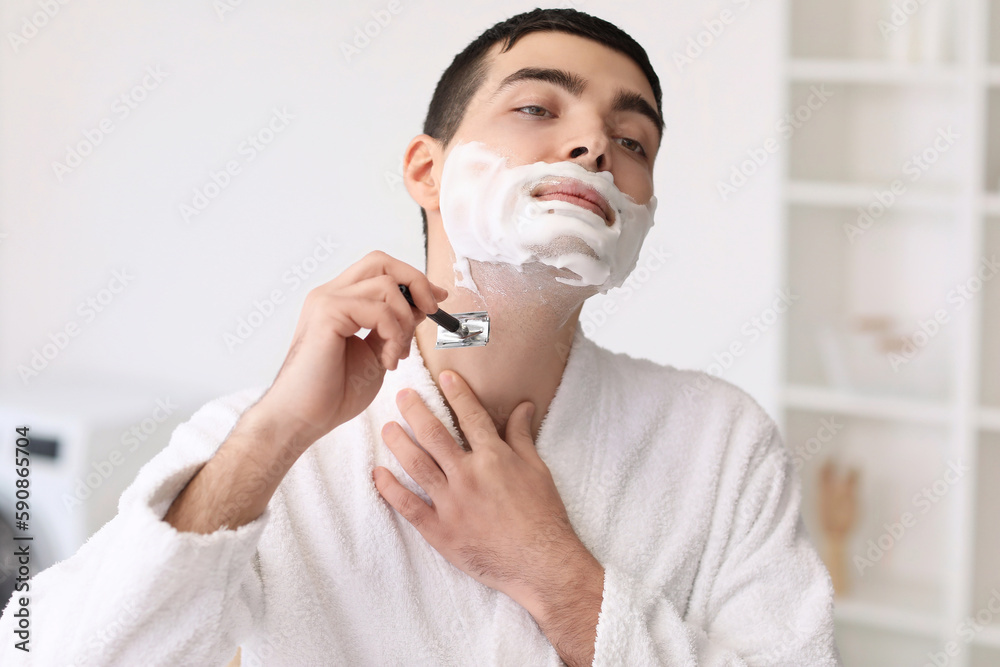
(476, 324)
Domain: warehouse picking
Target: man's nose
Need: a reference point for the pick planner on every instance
(590, 151)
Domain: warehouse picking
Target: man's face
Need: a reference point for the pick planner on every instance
(530, 120)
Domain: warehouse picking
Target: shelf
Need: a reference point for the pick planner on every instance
(989, 350)
(988, 636)
(915, 104)
(865, 285)
(820, 399)
(894, 605)
(870, 646)
(896, 582)
(877, 135)
(989, 419)
(992, 8)
(991, 204)
(897, 619)
(984, 655)
(856, 30)
(851, 195)
(986, 577)
(992, 148)
(874, 72)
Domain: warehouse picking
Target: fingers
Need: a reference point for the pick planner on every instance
(477, 424)
(389, 343)
(429, 431)
(376, 279)
(421, 515)
(417, 463)
(350, 314)
(384, 289)
(475, 421)
(518, 432)
(377, 263)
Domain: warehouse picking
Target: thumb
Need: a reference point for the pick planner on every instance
(518, 431)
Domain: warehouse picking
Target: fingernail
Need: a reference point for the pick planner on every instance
(447, 379)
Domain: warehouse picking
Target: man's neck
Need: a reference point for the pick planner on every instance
(532, 326)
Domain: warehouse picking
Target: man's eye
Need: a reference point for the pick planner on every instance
(637, 144)
(531, 106)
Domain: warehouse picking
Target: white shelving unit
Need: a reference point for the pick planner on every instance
(888, 366)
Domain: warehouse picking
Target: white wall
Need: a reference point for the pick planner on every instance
(330, 173)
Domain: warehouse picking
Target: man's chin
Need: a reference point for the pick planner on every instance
(533, 278)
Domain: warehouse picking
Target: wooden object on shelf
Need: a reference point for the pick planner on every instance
(838, 505)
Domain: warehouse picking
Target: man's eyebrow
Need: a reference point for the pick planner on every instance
(560, 77)
(625, 100)
(629, 100)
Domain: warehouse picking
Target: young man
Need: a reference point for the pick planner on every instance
(532, 501)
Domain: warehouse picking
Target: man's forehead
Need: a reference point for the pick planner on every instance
(586, 58)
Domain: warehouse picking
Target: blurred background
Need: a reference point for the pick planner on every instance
(174, 178)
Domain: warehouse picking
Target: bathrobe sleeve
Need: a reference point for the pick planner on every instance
(770, 601)
(139, 592)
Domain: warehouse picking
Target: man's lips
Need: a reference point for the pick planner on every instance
(576, 192)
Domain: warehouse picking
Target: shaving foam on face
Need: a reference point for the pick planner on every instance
(489, 215)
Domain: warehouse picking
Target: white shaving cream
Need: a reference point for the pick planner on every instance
(489, 215)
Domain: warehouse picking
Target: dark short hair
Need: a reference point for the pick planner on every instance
(467, 71)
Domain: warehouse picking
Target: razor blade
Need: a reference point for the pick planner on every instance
(473, 330)
(458, 330)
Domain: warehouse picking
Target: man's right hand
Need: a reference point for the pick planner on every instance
(330, 374)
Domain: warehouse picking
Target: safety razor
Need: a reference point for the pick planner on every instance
(458, 329)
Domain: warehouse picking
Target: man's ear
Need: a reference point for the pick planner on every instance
(421, 170)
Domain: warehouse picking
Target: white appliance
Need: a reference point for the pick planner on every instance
(88, 440)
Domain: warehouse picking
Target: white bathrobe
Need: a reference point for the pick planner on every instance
(677, 482)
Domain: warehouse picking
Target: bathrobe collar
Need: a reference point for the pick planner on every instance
(412, 373)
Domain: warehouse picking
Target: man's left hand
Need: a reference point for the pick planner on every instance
(495, 514)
